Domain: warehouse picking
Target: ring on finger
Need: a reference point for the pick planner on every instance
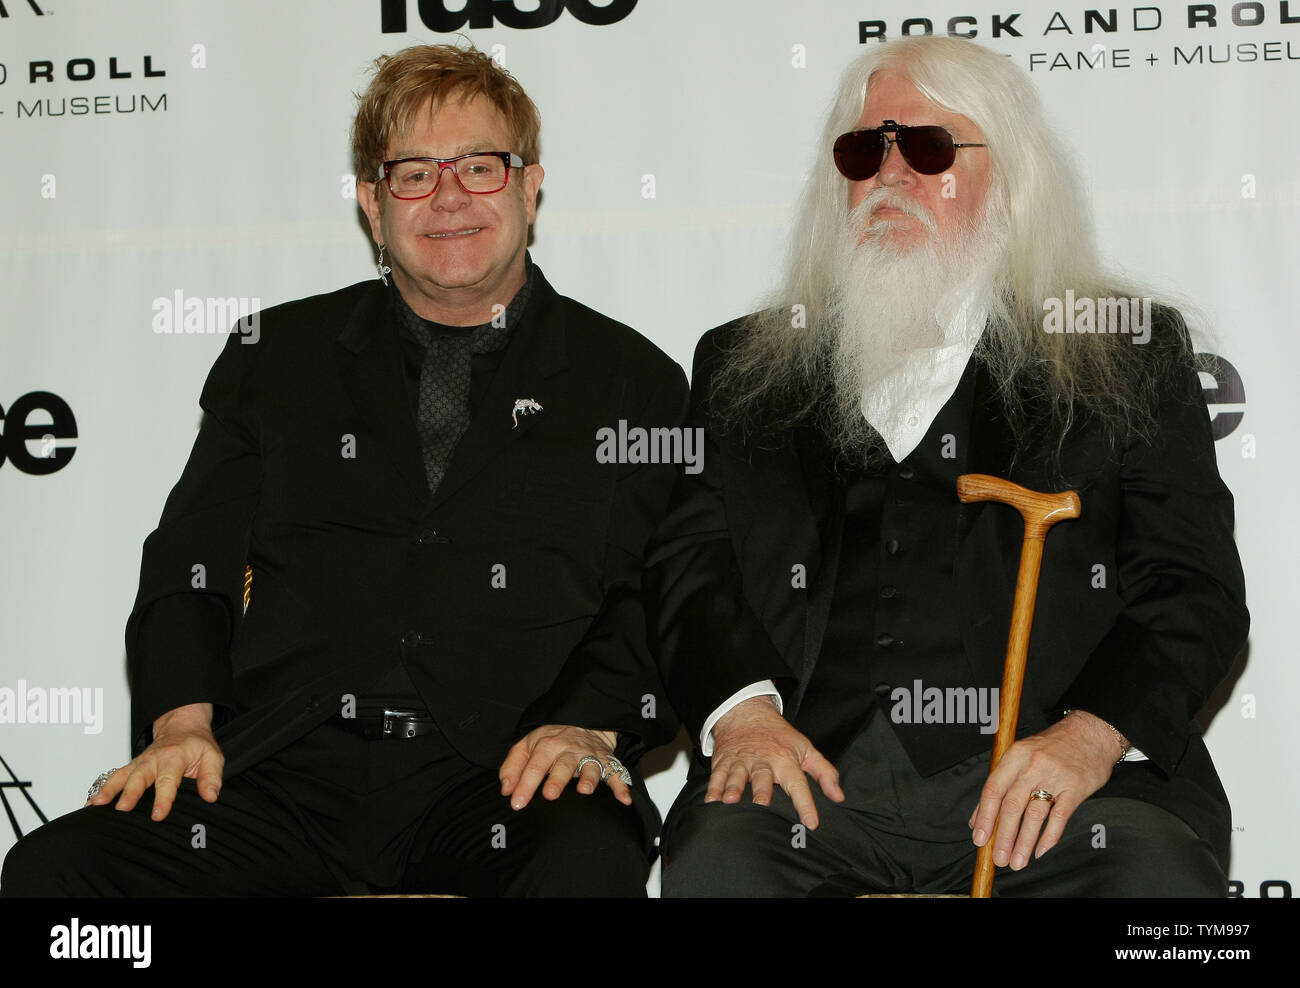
(1042, 794)
(98, 784)
(594, 761)
(616, 768)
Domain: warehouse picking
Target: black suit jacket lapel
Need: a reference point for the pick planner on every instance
(369, 358)
(825, 499)
(990, 446)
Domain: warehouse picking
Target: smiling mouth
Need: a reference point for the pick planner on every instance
(454, 233)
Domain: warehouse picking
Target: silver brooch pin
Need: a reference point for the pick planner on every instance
(523, 406)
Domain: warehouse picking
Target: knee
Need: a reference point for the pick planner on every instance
(725, 850)
(22, 871)
(580, 845)
(1138, 849)
(46, 862)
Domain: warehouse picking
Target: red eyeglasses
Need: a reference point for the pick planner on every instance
(927, 150)
(479, 172)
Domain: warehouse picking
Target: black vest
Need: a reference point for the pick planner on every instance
(893, 634)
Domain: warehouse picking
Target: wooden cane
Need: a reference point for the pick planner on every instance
(1041, 512)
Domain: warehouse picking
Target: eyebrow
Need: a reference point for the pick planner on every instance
(463, 149)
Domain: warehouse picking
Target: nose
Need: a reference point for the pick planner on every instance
(894, 169)
(448, 193)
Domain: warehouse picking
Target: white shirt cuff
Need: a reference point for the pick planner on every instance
(765, 688)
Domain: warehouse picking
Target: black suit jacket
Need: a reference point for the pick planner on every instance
(1143, 653)
(514, 593)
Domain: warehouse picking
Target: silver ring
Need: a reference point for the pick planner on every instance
(98, 784)
(589, 758)
(1042, 794)
(614, 767)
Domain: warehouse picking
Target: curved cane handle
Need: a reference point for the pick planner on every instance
(1040, 511)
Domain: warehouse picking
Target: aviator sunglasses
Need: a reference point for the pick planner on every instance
(928, 150)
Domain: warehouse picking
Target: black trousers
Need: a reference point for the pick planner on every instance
(334, 814)
(899, 832)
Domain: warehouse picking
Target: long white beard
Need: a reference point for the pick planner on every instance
(892, 308)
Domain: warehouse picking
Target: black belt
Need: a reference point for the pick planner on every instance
(390, 722)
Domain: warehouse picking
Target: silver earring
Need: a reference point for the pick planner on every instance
(384, 269)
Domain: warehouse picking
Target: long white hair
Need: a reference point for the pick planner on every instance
(777, 374)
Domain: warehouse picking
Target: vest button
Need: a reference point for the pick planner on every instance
(892, 547)
(886, 640)
(428, 536)
(411, 639)
(907, 473)
(888, 590)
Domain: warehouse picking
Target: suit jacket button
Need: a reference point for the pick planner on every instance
(892, 547)
(885, 640)
(907, 473)
(881, 689)
(428, 537)
(411, 639)
(888, 590)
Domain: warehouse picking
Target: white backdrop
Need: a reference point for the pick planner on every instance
(183, 146)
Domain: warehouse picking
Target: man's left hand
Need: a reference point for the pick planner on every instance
(1072, 759)
(552, 752)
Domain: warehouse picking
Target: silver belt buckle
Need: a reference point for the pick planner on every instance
(392, 715)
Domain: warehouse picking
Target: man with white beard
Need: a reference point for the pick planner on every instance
(821, 603)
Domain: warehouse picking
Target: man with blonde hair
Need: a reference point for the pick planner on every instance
(419, 593)
(825, 607)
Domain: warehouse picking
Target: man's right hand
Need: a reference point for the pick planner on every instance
(754, 744)
(183, 748)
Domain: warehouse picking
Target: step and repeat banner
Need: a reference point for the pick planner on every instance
(169, 165)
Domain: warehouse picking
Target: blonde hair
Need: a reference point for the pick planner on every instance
(405, 82)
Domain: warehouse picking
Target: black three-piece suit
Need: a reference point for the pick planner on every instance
(847, 584)
(510, 598)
